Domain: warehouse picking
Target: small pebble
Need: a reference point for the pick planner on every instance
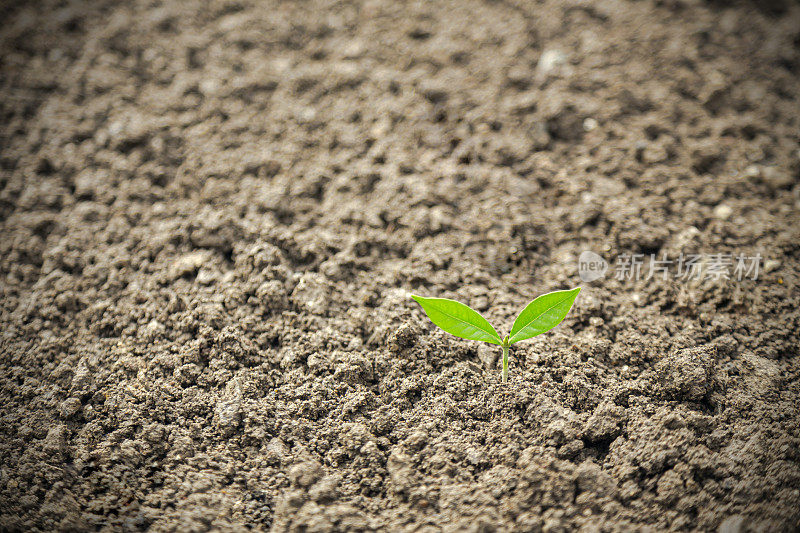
(596, 321)
(206, 277)
(753, 171)
(69, 407)
(723, 212)
(771, 265)
(549, 60)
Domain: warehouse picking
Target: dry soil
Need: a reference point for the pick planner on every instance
(212, 214)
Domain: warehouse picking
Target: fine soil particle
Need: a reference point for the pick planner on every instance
(212, 215)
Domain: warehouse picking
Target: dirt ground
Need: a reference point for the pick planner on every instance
(212, 215)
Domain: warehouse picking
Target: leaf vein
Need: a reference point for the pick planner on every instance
(537, 317)
(490, 333)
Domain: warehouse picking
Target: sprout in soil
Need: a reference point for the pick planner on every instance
(542, 314)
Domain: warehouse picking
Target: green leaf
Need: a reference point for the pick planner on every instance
(542, 314)
(458, 319)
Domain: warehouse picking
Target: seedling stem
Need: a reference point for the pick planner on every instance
(505, 359)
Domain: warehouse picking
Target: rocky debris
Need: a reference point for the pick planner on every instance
(69, 408)
(311, 503)
(686, 375)
(154, 329)
(402, 339)
(353, 368)
(55, 442)
(325, 490)
(188, 264)
(81, 379)
(399, 466)
(774, 177)
(565, 123)
(550, 60)
(305, 474)
(605, 424)
(276, 452)
(771, 265)
(723, 211)
(272, 295)
(215, 230)
(489, 356)
(228, 414)
(735, 524)
(311, 293)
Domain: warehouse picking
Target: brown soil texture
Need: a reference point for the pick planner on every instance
(212, 215)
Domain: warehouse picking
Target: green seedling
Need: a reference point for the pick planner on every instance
(541, 315)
